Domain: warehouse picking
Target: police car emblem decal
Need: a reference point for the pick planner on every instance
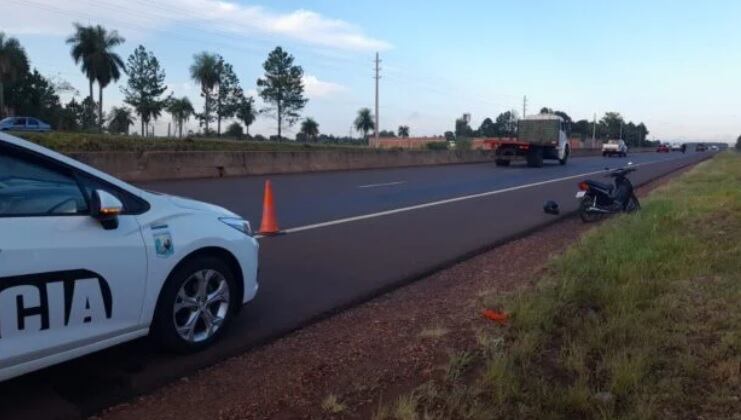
(163, 244)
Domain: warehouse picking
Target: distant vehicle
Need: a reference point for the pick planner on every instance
(539, 137)
(714, 148)
(701, 148)
(677, 147)
(615, 148)
(663, 148)
(24, 124)
(89, 261)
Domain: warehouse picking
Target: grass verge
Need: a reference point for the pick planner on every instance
(93, 142)
(640, 319)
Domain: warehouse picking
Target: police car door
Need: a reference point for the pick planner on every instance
(67, 285)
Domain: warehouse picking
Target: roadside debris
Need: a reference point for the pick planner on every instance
(500, 318)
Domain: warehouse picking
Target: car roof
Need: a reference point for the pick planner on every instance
(17, 141)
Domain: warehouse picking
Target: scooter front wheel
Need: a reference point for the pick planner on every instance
(632, 205)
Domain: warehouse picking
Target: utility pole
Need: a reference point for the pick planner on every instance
(524, 106)
(377, 77)
(594, 130)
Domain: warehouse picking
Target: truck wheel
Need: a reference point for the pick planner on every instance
(535, 158)
(566, 154)
(502, 162)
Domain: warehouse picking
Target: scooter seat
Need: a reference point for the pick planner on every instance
(599, 185)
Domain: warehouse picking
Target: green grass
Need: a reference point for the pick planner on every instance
(641, 319)
(94, 142)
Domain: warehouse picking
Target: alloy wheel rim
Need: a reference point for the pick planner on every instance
(201, 306)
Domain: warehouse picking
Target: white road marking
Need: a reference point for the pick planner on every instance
(445, 201)
(385, 184)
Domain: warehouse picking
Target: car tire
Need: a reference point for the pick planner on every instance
(184, 320)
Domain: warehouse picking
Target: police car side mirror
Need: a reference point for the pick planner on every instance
(106, 208)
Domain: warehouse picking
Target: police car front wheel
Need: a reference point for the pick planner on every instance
(195, 306)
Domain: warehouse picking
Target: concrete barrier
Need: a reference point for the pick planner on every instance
(149, 166)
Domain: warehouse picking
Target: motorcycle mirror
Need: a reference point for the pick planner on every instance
(551, 207)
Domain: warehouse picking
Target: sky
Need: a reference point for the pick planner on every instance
(673, 65)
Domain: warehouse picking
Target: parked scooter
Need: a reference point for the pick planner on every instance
(599, 200)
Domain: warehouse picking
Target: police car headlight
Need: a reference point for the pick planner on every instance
(237, 223)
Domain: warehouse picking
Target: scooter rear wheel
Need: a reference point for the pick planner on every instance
(584, 213)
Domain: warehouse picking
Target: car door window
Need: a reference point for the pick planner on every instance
(30, 187)
(32, 123)
(20, 122)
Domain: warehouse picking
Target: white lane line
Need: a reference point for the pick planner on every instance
(385, 184)
(445, 201)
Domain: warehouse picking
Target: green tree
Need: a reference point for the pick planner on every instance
(462, 128)
(506, 124)
(282, 88)
(364, 122)
(611, 125)
(33, 94)
(181, 110)
(246, 112)
(403, 131)
(582, 128)
(546, 110)
(146, 86)
(205, 71)
(449, 136)
(738, 144)
(83, 49)
(120, 119)
(309, 129)
(13, 65)
(235, 130)
(229, 94)
(487, 128)
(92, 47)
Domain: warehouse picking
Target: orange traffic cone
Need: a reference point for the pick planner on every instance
(269, 225)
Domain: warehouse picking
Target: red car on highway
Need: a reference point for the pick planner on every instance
(663, 149)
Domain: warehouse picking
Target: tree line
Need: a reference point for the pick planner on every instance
(611, 126)
(24, 91)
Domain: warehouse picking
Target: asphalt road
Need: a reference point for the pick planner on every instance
(351, 235)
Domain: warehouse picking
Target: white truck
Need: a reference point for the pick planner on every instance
(615, 148)
(539, 137)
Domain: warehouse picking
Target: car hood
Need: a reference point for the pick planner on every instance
(186, 203)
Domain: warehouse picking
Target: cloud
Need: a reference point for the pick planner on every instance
(316, 88)
(215, 17)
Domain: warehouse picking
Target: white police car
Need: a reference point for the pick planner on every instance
(88, 261)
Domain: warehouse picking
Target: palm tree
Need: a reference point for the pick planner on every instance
(181, 109)
(403, 131)
(205, 70)
(364, 121)
(310, 128)
(246, 112)
(13, 64)
(121, 118)
(91, 46)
